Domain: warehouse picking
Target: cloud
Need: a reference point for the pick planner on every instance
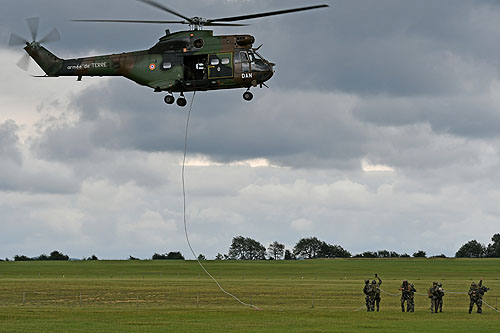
(381, 121)
(302, 225)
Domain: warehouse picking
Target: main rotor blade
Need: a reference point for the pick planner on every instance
(33, 24)
(24, 62)
(252, 16)
(210, 24)
(162, 7)
(132, 21)
(16, 40)
(52, 36)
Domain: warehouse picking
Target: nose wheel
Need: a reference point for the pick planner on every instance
(247, 96)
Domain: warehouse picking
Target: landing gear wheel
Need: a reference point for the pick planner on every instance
(181, 101)
(169, 99)
(247, 96)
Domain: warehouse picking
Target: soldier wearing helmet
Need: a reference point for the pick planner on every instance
(440, 296)
(366, 289)
(407, 296)
(374, 294)
(433, 294)
(476, 293)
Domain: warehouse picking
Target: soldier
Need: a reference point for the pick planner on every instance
(412, 297)
(408, 296)
(366, 289)
(476, 293)
(374, 294)
(440, 296)
(433, 294)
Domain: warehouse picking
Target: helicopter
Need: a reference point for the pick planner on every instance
(183, 61)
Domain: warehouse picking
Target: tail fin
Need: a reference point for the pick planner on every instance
(49, 63)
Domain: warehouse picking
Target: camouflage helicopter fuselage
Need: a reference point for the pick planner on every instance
(180, 62)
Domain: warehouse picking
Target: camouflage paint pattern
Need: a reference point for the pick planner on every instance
(181, 61)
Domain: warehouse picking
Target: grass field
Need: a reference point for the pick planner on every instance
(293, 296)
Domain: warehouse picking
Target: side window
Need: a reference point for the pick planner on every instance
(245, 65)
(221, 65)
(167, 65)
(237, 58)
(244, 57)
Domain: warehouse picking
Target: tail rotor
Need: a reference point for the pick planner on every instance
(33, 26)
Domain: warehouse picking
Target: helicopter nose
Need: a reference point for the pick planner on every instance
(271, 70)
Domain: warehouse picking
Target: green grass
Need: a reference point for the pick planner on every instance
(294, 296)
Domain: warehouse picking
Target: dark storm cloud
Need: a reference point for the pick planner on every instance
(303, 127)
(407, 85)
(462, 116)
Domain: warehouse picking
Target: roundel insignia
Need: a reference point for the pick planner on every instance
(152, 67)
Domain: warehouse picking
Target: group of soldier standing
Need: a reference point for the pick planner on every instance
(435, 293)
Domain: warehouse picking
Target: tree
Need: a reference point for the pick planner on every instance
(93, 257)
(158, 256)
(289, 255)
(394, 254)
(56, 255)
(276, 250)
(168, 256)
(471, 249)
(383, 254)
(439, 256)
(246, 249)
(174, 256)
(332, 251)
(420, 254)
(307, 248)
(201, 257)
(366, 254)
(493, 250)
(133, 258)
(219, 256)
(22, 258)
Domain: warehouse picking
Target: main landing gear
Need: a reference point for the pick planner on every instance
(181, 101)
(247, 95)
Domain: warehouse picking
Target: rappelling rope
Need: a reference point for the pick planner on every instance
(363, 307)
(385, 292)
(420, 294)
(491, 307)
(184, 211)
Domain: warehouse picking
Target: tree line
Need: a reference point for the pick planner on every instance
(474, 249)
(245, 248)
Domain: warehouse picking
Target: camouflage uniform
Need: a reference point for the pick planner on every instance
(366, 289)
(374, 295)
(476, 293)
(412, 297)
(440, 296)
(433, 294)
(408, 296)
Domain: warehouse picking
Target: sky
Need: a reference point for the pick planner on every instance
(380, 131)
